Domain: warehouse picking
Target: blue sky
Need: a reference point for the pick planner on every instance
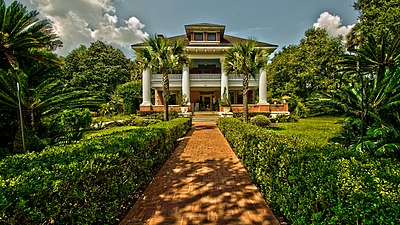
(125, 22)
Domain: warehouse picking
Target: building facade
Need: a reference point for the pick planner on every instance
(204, 80)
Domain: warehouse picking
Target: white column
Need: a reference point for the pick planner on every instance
(146, 87)
(186, 83)
(262, 88)
(224, 79)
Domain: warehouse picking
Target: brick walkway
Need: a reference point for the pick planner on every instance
(202, 183)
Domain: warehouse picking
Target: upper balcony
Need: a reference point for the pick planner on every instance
(202, 80)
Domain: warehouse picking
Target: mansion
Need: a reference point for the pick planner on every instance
(204, 81)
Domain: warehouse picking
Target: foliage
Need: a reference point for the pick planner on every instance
(158, 115)
(164, 57)
(106, 132)
(67, 126)
(130, 94)
(92, 182)
(373, 96)
(23, 36)
(308, 68)
(316, 184)
(41, 96)
(260, 120)
(182, 100)
(225, 99)
(246, 59)
(99, 68)
(376, 18)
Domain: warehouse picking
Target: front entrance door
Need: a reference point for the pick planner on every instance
(206, 102)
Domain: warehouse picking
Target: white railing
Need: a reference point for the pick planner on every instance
(172, 77)
(198, 77)
(205, 76)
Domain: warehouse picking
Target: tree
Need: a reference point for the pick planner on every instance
(163, 57)
(308, 68)
(99, 68)
(245, 58)
(373, 96)
(38, 100)
(376, 17)
(24, 36)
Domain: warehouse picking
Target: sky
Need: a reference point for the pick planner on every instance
(121, 23)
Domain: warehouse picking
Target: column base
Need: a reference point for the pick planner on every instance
(263, 103)
(146, 104)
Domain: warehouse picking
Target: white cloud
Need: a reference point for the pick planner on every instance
(332, 24)
(84, 21)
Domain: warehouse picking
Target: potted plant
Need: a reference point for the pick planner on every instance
(184, 103)
(225, 102)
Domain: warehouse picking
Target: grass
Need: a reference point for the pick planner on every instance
(95, 133)
(319, 130)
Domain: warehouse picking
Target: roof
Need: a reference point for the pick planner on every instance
(226, 40)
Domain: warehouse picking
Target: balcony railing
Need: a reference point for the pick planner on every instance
(197, 77)
(172, 77)
(209, 77)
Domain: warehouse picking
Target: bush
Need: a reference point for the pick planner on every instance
(239, 115)
(312, 184)
(158, 115)
(67, 126)
(261, 121)
(91, 182)
(130, 94)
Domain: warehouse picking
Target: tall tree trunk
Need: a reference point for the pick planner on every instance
(166, 95)
(18, 147)
(245, 90)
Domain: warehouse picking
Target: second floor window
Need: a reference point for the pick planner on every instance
(198, 36)
(211, 36)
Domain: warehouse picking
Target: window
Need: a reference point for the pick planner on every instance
(211, 37)
(198, 36)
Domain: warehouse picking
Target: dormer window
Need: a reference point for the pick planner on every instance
(206, 36)
(198, 37)
(211, 37)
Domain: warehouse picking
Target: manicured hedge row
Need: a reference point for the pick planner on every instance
(92, 182)
(310, 184)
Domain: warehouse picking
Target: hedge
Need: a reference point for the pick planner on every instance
(311, 184)
(95, 181)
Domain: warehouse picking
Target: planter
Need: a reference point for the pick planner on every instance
(184, 109)
(226, 109)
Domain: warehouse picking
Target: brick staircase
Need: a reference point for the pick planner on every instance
(205, 116)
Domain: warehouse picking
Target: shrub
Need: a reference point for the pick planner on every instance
(67, 126)
(261, 121)
(312, 184)
(130, 94)
(91, 182)
(158, 115)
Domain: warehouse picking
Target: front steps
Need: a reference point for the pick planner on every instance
(205, 116)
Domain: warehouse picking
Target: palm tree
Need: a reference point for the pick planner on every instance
(40, 97)
(163, 57)
(245, 58)
(24, 36)
(374, 94)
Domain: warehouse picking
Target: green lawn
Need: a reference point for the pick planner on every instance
(317, 129)
(94, 133)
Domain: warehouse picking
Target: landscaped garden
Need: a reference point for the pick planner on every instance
(316, 182)
(74, 148)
